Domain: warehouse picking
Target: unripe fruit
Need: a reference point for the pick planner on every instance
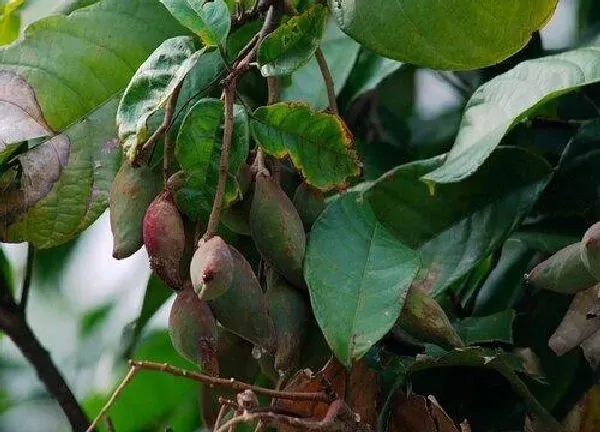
(243, 309)
(423, 318)
(563, 272)
(211, 269)
(590, 250)
(291, 317)
(310, 203)
(193, 331)
(236, 217)
(164, 237)
(132, 191)
(277, 229)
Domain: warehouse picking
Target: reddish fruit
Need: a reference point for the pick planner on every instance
(164, 237)
(211, 269)
(193, 331)
(277, 229)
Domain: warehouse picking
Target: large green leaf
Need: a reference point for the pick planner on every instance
(462, 223)
(307, 85)
(77, 74)
(198, 152)
(209, 20)
(357, 273)
(150, 89)
(319, 144)
(293, 43)
(453, 34)
(484, 329)
(507, 99)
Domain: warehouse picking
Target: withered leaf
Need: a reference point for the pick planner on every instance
(417, 413)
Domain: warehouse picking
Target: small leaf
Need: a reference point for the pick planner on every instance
(340, 52)
(353, 257)
(454, 34)
(319, 144)
(507, 99)
(151, 87)
(491, 328)
(293, 43)
(208, 19)
(198, 151)
(10, 21)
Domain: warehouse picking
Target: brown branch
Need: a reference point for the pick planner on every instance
(142, 153)
(12, 322)
(27, 279)
(230, 383)
(215, 214)
(328, 79)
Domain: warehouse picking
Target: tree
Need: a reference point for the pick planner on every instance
(263, 153)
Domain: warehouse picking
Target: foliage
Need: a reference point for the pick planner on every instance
(412, 264)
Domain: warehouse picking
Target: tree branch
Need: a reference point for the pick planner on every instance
(328, 79)
(27, 279)
(13, 323)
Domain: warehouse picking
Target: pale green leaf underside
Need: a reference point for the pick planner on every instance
(78, 90)
(151, 87)
(208, 19)
(462, 223)
(293, 43)
(318, 143)
(352, 257)
(449, 34)
(307, 82)
(507, 99)
(198, 152)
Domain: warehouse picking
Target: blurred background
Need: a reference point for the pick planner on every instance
(83, 302)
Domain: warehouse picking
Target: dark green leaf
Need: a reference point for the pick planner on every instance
(293, 43)
(198, 152)
(353, 257)
(453, 34)
(210, 20)
(93, 319)
(319, 144)
(150, 89)
(507, 99)
(490, 328)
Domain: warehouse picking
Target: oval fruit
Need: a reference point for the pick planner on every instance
(211, 269)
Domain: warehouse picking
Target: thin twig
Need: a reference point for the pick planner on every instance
(229, 383)
(133, 370)
(328, 79)
(27, 279)
(140, 154)
(14, 325)
(222, 412)
(215, 214)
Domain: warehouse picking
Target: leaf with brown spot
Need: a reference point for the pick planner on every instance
(419, 414)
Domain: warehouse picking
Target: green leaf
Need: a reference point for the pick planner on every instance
(77, 74)
(506, 364)
(138, 408)
(150, 89)
(319, 144)
(208, 19)
(454, 34)
(357, 273)
(509, 98)
(293, 43)
(491, 328)
(462, 223)
(10, 21)
(340, 52)
(94, 318)
(198, 151)
(370, 69)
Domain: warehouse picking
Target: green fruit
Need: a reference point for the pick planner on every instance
(243, 308)
(564, 272)
(236, 217)
(277, 229)
(211, 269)
(423, 318)
(310, 203)
(235, 361)
(193, 331)
(291, 317)
(132, 191)
(165, 238)
(590, 250)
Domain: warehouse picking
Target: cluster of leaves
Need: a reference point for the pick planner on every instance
(418, 235)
